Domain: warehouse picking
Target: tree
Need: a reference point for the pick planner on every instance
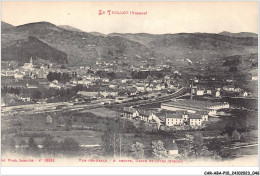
(48, 119)
(31, 143)
(128, 126)
(23, 143)
(11, 144)
(61, 121)
(51, 145)
(235, 135)
(197, 142)
(159, 151)
(69, 124)
(69, 144)
(243, 136)
(142, 127)
(121, 143)
(186, 148)
(194, 146)
(18, 121)
(110, 52)
(37, 95)
(138, 150)
(229, 129)
(109, 141)
(215, 145)
(205, 152)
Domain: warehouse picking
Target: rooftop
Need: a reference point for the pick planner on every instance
(129, 109)
(173, 116)
(195, 116)
(193, 104)
(144, 112)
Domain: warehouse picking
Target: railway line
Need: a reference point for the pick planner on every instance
(72, 106)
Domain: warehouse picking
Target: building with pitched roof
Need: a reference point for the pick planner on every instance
(194, 105)
(130, 113)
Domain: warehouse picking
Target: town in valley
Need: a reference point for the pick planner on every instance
(185, 96)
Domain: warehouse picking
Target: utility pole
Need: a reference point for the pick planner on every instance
(191, 89)
(120, 145)
(114, 144)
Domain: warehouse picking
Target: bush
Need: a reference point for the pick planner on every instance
(159, 151)
(235, 136)
(48, 119)
(138, 150)
(32, 144)
(69, 144)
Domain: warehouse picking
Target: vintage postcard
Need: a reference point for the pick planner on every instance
(129, 83)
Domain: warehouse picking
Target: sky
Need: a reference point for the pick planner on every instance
(160, 17)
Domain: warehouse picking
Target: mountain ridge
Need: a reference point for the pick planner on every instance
(85, 48)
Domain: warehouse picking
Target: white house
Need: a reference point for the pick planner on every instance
(173, 119)
(198, 118)
(18, 76)
(195, 120)
(25, 98)
(244, 93)
(130, 113)
(140, 87)
(254, 78)
(200, 92)
(55, 86)
(209, 92)
(217, 94)
(145, 115)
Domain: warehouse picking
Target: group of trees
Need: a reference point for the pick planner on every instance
(115, 143)
(67, 145)
(146, 74)
(138, 150)
(112, 142)
(104, 74)
(49, 144)
(133, 75)
(10, 99)
(195, 146)
(62, 94)
(11, 90)
(61, 77)
(159, 152)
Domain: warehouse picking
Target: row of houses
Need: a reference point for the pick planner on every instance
(234, 89)
(215, 92)
(166, 118)
(205, 91)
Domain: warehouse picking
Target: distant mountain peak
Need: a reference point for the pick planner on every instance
(97, 34)
(70, 28)
(5, 25)
(41, 23)
(239, 35)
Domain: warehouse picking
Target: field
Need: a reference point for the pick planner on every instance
(103, 112)
(84, 137)
(87, 128)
